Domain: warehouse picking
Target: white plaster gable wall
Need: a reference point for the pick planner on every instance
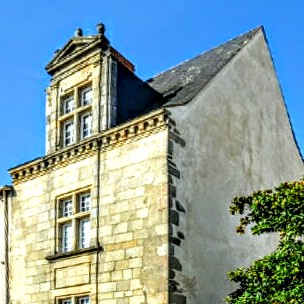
(238, 140)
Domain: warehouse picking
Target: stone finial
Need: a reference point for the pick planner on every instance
(78, 33)
(100, 28)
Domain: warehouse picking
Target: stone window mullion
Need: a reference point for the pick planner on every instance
(75, 117)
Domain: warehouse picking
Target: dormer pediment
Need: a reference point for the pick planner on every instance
(74, 48)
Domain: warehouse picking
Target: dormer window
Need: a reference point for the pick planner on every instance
(86, 96)
(76, 115)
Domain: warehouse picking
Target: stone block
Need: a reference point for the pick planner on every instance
(106, 287)
(127, 274)
(117, 275)
(114, 255)
(135, 262)
(105, 230)
(122, 264)
(118, 294)
(124, 237)
(142, 213)
(137, 300)
(141, 234)
(108, 301)
(107, 266)
(162, 250)
(136, 272)
(134, 252)
(124, 300)
(161, 229)
(104, 277)
(136, 225)
(135, 284)
(108, 295)
(123, 285)
(120, 228)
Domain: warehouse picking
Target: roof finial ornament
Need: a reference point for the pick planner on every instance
(100, 29)
(79, 32)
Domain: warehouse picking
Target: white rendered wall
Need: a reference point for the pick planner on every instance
(238, 139)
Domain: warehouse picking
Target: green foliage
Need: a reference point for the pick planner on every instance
(278, 278)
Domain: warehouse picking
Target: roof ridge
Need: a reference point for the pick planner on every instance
(181, 83)
(252, 31)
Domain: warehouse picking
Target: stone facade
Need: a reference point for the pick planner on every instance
(129, 236)
(130, 203)
(5, 227)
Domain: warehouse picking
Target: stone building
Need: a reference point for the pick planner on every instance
(130, 203)
(5, 203)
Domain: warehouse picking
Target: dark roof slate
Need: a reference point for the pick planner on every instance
(183, 82)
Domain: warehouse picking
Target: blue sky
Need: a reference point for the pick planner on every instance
(154, 35)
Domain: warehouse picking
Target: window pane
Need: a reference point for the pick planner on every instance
(86, 125)
(66, 301)
(67, 207)
(86, 96)
(84, 202)
(84, 233)
(68, 105)
(83, 300)
(67, 237)
(68, 133)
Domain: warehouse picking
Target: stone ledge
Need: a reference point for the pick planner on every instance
(73, 253)
(133, 130)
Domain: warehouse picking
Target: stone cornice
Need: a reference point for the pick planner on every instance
(133, 130)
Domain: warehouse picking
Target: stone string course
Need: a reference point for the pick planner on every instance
(132, 130)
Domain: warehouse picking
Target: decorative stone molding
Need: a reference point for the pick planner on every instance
(92, 59)
(140, 127)
(78, 252)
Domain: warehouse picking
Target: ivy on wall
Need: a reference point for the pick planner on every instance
(278, 278)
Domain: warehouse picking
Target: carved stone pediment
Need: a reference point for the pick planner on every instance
(73, 49)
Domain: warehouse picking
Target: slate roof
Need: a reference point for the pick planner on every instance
(183, 82)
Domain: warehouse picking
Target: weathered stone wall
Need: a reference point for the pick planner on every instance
(100, 73)
(134, 223)
(232, 139)
(131, 225)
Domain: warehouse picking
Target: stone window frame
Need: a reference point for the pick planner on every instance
(83, 127)
(68, 104)
(83, 91)
(74, 299)
(68, 136)
(74, 218)
(74, 113)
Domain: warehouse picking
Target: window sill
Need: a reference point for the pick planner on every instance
(73, 253)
